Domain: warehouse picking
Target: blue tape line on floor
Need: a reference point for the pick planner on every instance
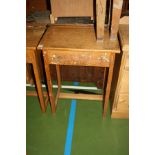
(70, 129)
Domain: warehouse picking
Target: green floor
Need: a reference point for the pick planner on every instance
(46, 133)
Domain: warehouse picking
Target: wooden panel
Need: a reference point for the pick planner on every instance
(124, 86)
(80, 74)
(123, 103)
(36, 5)
(70, 8)
(126, 65)
(100, 18)
(121, 93)
(78, 58)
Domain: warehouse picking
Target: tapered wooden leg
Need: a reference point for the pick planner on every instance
(38, 83)
(59, 83)
(107, 93)
(28, 75)
(49, 82)
(104, 79)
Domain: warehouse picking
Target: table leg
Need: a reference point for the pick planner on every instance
(104, 79)
(49, 82)
(109, 80)
(59, 83)
(38, 83)
(29, 78)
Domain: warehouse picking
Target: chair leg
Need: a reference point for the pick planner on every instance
(116, 13)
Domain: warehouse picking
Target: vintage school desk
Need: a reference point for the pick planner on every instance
(77, 45)
(33, 36)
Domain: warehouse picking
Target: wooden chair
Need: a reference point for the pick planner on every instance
(86, 8)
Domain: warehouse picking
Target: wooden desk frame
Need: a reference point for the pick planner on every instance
(50, 57)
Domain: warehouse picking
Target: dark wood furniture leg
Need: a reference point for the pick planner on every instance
(49, 82)
(59, 83)
(109, 80)
(38, 83)
(104, 79)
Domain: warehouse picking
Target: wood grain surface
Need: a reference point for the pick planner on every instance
(33, 36)
(77, 38)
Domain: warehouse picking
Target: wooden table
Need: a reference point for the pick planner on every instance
(77, 45)
(33, 36)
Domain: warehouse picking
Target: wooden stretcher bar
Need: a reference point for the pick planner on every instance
(81, 96)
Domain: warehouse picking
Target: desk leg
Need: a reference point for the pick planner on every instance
(107, 93)
(49, 83)
(104, 79)
(28, 75)
(59, 83)
(38, 83)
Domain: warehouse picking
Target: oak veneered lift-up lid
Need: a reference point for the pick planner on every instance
(77, 38)
(33, 35)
